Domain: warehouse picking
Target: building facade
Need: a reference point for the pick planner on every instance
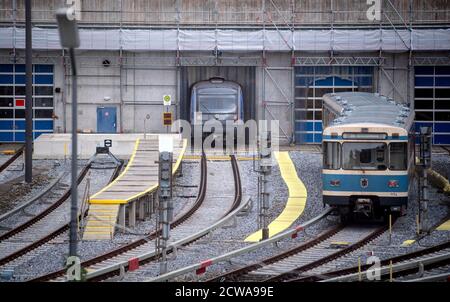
(285, 54)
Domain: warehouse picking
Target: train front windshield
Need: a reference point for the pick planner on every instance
(217, 101)
(364, 156)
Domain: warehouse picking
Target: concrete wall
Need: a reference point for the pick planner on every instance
(237, 12)
(136, 87)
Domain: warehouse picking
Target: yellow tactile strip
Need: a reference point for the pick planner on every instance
(101, 222)
(444, 227)
(296, 201)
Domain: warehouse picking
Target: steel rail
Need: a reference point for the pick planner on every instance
(11, 159)
(33, 199)
(286, 276)
(401, 268)
(245, 250)
(123, 249)
(45, 212)
(236, 207)
(50, 236)
(235, 274)
(365, 267)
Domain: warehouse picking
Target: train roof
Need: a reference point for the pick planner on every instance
(364, 107)
(216, 83)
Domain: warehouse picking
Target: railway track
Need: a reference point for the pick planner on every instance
(110, 264)
(410, 261)
(12, 159)
(332, 244)
(28, 250)
(60, 274)
(218, 202)
(25, 237)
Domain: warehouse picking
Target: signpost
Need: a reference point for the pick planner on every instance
(167, 116)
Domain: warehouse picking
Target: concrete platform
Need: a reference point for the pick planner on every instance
(59, 146)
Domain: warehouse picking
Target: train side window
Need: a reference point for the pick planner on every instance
(331, 156)
(398, 158)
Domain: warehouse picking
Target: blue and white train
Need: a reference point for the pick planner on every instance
(368, 154)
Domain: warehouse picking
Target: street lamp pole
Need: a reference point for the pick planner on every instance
(29, 95)
(68, 34)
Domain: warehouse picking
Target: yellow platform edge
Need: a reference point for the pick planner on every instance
(150, 189)
(295, 204)
(444, 227)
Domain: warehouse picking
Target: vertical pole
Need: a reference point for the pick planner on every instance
(29, 95)
(390, 271)
(359, 269)
(74, 192)
(165, 195)
(390, 228)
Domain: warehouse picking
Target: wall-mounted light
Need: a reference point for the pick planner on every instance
(107, 98)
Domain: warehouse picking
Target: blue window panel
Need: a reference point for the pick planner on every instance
(342, 82)
(43, 125)
(363, 70)
(442, 81)
(43, 68)
(6, 137)
(317, 137)
(303, 138)
(309, 138)
(324, 82)
(6, 125)
(424, 81)
(309, 126)
(6, 79)
(442, 139)
(6, 67)
(304, 70)
(363, 81)
(318, 126)
(20, 124)
(304, 81)
(324, 70)
(19, 136)
(20, 67)
(444, 70)
(425, 70)
(300, 126)
(20, 79)
(418, 125)
(442, 127)
(43, 79)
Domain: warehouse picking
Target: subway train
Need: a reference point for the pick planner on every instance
(368, 155)
(216, 99)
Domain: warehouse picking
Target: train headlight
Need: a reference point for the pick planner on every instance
(393, 184)
(335, 183)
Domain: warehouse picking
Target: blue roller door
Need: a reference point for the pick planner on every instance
(12, 101)
(432, 101)
(311, 83)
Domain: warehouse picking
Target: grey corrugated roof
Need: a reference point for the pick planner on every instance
(363, 107)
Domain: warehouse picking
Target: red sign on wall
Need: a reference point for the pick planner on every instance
(20, 103)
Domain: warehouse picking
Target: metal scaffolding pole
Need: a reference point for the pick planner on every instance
(29, 95)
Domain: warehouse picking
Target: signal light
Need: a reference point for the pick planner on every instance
(393, 184)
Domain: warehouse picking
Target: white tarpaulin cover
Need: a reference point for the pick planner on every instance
(236, 40)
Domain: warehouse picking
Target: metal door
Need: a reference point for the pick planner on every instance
(106, 119)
